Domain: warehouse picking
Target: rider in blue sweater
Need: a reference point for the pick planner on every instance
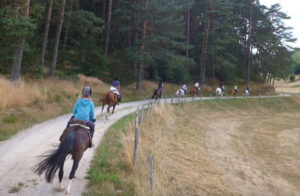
(84, 110)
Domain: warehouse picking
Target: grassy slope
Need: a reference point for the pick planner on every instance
(35, 101)
(219, 148)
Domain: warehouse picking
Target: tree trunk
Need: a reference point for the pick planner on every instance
(42, 57)
(249, 45)
(108, 28)
(57, 38)
(213, 57)
(213, 60)
(187, 33)
(204, 51)
(67, 30)
(141, 69)
(18, 52)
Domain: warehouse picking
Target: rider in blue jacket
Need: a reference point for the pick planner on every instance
(84, 110)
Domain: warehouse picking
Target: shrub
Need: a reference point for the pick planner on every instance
(292, 78)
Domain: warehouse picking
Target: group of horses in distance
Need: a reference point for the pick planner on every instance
(77, 140)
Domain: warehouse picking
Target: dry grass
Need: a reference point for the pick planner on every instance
(48, 90)
(283, 86)
(35, 101)
(241, 147)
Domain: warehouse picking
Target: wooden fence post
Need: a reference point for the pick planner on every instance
(142, 114)
(150, 174)
(136, 141)
(148, 108)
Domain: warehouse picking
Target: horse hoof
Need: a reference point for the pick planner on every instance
(60, 188)
(106, 117)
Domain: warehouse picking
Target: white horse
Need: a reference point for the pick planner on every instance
(180, 93)
(219, 92)
(247, 93)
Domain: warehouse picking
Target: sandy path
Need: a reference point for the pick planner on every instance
(19, 154)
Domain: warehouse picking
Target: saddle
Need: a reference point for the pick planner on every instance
(76, 122)
(80, 123)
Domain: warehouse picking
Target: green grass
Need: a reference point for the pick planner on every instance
(107, 167)
(10, 119)
(17, 188)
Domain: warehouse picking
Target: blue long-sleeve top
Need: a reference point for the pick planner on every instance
(84, 109)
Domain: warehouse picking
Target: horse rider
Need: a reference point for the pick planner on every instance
(235, 88)
(161, 87)
(222, 87)
(84, 111)
(248, 89)
(197, 87)
(184, 88)
(116, 87)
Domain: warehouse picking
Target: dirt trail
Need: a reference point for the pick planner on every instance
(20, 154)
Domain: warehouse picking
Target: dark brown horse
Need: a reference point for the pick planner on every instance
(110, 99)
(157, 94)
(194, 91)
(74, 141)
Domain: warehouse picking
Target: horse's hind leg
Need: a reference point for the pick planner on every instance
(72, 174)
(108, 109)
(60, 175)
(113, 109)
(102, 107)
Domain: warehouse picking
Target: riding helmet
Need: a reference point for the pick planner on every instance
(86, 91)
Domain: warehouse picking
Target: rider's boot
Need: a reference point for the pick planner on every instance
(91, 138)
(119, 99)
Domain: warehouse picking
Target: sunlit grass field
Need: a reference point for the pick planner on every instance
(235, 147)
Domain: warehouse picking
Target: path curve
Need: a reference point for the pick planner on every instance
(19, 154)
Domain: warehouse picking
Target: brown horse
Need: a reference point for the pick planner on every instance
(157, 94)
(194, 91)
(110, 99)
(232, 92)
(74, 141)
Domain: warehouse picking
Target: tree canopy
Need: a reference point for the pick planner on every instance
(174, 40)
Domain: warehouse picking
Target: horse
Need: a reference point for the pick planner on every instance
(219, 92)
(180, 93)
(157, 94)
(74, 141)
(194, 91)
(232, 92)
(247, 93)
(110, 99)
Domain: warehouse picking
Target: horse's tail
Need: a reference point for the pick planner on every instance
(52, 161)
(104, 97)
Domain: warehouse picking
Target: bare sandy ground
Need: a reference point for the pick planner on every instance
(19, 155)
